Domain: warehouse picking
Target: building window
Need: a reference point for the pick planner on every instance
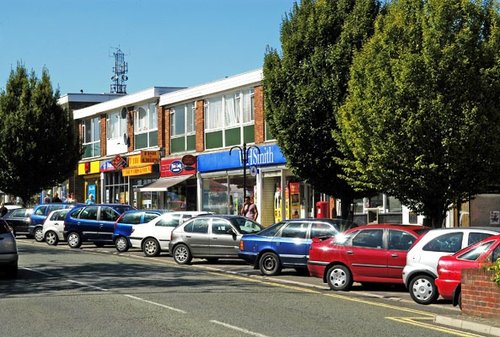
(229, 119)
(146, 126)
(91, 138)
(182, 128)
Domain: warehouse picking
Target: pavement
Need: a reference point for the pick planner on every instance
(490, 326)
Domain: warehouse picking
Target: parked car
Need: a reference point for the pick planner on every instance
(19, 220)
(8, 250)
(153, 237)
(53, 226)
(39, 215)
(286, 244)
(366, 254)
(421, 262)
(94, 223)
(211, 237)
(123, 226)
(450, 267)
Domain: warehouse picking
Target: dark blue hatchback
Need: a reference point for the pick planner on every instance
(123, 226)
(94, 223)
(286, 244)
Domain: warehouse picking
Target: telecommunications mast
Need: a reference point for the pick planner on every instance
(120, 73)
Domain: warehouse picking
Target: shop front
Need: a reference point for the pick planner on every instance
(90, 171)
(221, 182)
(175, 190)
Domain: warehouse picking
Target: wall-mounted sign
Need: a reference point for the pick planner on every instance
(269, 155)
(150, 156)
(88, 168)
(137, 171)
(118, 162)
(175, 167)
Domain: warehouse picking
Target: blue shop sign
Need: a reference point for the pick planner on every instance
(269, 155)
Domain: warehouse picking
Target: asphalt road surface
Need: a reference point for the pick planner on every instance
(92, 292)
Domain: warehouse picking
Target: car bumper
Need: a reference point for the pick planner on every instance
(446, 288)
(8, 258)
(248, 257)
(316, 269)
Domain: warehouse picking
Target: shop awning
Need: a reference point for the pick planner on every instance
(162, 184)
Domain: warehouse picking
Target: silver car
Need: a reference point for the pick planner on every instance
(8, 250)
(211, 237)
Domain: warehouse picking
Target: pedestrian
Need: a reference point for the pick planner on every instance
(3, 210)
(71, 199)
(90, 200)
(56, 198)
(249, 209)
(47, 199)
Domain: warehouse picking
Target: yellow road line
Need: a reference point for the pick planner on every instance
(414, 321)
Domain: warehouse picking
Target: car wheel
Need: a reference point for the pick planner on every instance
(339, 278)
(74, 240)
(182, 255)
(12, 271)
(121, 244)
(38, 234)
(51, 238)
(151, 247)
(423, 290)
(270, 264)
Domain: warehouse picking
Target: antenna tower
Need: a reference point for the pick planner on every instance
(120, 70)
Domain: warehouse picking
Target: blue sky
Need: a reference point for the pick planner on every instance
(166, 42)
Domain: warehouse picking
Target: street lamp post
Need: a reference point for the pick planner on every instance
(244, 151)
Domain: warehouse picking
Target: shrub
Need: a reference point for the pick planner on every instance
(495, 267)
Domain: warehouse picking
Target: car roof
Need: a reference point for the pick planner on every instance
(392, 226)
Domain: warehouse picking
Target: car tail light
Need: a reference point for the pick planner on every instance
(242, 245)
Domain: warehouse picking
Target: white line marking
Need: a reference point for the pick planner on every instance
(37, 271)
(157, 304)
(248, 332)
(87, 285)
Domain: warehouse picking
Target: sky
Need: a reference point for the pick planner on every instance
(177, 43)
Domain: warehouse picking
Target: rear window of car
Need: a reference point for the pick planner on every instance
(476, 237)
(474, 254)
(272, 230)
(197, 226)
(133, 218)
(40, 210)
(60, 215)
(171, 220)
(446, 243)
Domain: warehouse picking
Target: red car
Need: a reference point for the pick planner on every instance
(475, 256)
(371, 254)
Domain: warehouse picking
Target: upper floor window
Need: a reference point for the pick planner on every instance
(146, 126)
(91, 138)
(229, 119)
(182, 127)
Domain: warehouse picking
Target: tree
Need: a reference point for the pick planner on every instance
(38, 144)
(422, 120)
(304, 87)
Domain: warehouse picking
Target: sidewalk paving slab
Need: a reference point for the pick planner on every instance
(472, 323)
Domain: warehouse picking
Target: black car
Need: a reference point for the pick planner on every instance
(19, 220)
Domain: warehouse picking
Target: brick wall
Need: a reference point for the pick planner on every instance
(200, 126)
(102, 135)
(260, 135)
(480, 295)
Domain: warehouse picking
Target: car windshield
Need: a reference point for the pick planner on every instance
(247, 226)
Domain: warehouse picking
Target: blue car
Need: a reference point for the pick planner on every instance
(93, 223)
(123, 226)
(39, 215)
(286, 244)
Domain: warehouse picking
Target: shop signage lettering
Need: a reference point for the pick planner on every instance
(118, 162)
(137, 171)
(150, 156)
(269, 155)
(175, 167)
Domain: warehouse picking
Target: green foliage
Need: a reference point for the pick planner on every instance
(422, 120)
(306, 84)
(38, 144)
(495, 267)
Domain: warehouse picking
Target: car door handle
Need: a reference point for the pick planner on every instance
(214, 238)
(188, 236)
(394, 255)
(350, 252)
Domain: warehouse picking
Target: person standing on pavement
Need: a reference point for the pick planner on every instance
(56, 198)
(90, 200)
(249, 209)
(3, 210)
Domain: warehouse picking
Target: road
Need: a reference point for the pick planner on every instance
(95, 292)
